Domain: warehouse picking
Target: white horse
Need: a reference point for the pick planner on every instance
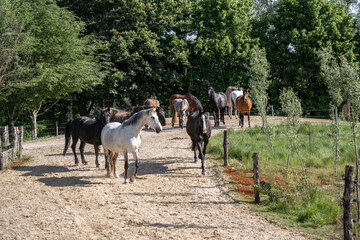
(181, 106)
(125, 137)
(233, 95)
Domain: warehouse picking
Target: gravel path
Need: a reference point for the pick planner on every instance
(51, 198)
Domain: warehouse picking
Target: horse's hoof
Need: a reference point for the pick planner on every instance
(132, 179)
(195, 161)
(126, 181)
(97, 165)
(108, 175)
(203, 172)
(116, 175)
(85, 162)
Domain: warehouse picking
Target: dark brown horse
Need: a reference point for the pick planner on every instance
(218, 104)
(194, 103)
(88, 130)
(198, 127)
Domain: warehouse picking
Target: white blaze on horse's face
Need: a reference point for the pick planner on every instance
(203, 117)
(153, 121)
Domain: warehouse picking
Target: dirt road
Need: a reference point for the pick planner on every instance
(51, 198)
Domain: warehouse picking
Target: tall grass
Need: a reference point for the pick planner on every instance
(308, 204)
(316, 150)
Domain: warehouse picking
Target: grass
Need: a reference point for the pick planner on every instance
(314, 205)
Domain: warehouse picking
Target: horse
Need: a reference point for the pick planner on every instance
(125, 137)
(243, 105)
(194, 103)
(117, 115)
(234, 94)
(151, 102)
(181, 106)
(218, 104)
(198, 127)
(89, 131)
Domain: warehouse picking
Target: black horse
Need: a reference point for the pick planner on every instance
(198, 127)
(218, 103)
(89, 131)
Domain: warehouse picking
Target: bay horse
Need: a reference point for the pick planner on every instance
(125, 138)
(88, 130)
(218, 104)
(243, 105)
(151, 102)
(234, 94)
(118, 115)
(181, 107)
(198, 127)
(194, 103)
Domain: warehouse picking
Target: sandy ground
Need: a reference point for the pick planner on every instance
(51, 198)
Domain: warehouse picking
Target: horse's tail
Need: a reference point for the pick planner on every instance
(172, 111)
(67, 136)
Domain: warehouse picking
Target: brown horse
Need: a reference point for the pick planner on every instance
(243, 105)
(151, 102)
(194, 103)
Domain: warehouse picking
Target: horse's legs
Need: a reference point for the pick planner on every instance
(222, 115)
(82, 147)
(206, 141)
(249, 118)
(126, 166)
(73, 147)
(202, 158)
(96, 147)
(194, 149)
(111, 163)
(115, 155)
(136, 157)
(106, 153)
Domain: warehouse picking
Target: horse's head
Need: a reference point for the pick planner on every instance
(161, 116)
(246, 94)
(104, 116)
(153, 121)
(210, 90)
(204, 122)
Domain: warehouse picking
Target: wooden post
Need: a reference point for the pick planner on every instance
(226, 150)
(56, 128)
(272, 110)
(347, 200)
(21, 140)
(255, 158)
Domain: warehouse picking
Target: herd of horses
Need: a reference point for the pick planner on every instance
(118, 131)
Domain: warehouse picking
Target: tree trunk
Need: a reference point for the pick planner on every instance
(33, 117)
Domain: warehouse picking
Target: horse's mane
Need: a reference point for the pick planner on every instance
(135, 118)
(195, 100)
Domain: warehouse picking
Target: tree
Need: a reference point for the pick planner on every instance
(222, 42)
(297, 30)
(61, 61)
(144, 46)
(259, 82)
(13, 44)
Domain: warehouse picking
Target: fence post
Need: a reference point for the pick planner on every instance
(226, 150)
(255, 158)
(272, 110)
(347, 200)
(56, 128)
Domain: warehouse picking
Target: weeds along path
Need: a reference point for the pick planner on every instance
(51, 198)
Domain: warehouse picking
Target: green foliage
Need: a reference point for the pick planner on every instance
(296, 31)
(222, 41)
(61, 61)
